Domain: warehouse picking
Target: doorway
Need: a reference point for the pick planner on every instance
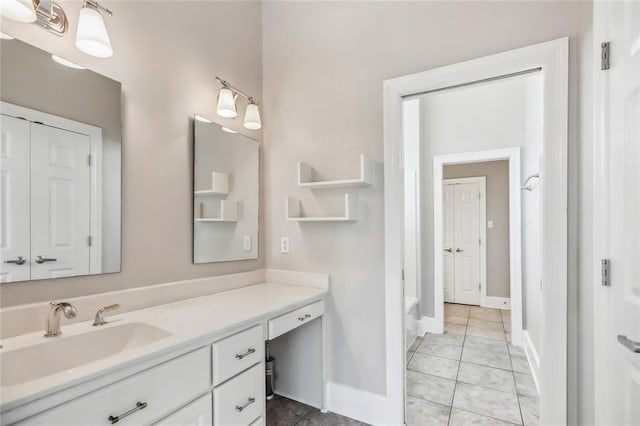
(551, 60)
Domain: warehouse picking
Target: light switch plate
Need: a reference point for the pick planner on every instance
(247, 243)
(284, 245)
(490, 224)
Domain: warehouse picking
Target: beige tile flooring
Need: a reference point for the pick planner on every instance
(471, 374)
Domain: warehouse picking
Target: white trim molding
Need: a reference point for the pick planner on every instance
(430, 325)
(552, 58)
(357, 404)
(533, 358)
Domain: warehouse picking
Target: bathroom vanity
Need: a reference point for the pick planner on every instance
(195, 361)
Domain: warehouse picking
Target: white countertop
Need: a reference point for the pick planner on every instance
(189, 322)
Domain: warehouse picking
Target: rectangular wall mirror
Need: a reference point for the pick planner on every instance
(226, 195)
(60, 167)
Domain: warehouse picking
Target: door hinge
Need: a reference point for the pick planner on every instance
(606, 272)
(480, 286)
(604, 55)
(89, 240)
(479, 241)
(402, 273)
(89, 161)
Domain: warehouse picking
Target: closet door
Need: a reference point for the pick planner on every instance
(60, 202)
(448, 243)
(14, 199)
(467, 243)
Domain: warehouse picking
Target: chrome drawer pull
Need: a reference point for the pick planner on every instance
(139, 406)
(304, 317)
(629, 344)
(247, 353)
(246, 404)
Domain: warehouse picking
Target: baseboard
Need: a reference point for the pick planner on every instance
(358, 404)
(532, 357)
(497, 302)
(429, 325)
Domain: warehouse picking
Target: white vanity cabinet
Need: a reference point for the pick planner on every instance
(198, 413)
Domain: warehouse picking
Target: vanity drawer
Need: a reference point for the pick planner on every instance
(237, 353)
(163, 388)
(280, 325)
(240, 401)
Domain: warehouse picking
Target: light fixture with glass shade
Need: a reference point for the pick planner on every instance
(92, 37)
(18, 10)
(227, 103)
(252, 116)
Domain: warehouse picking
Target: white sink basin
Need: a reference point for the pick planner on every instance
(58, 354)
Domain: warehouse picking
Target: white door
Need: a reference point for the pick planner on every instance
(467, 243)
(617, 307)
(14, 199)
(60, 202)
(448, 243)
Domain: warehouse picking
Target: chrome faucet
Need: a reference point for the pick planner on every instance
(99, 319)
(53, 320)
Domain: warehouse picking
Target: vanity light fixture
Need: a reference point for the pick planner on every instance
(227, 105)
(18, 10)
(92, 37)
(4, 36)
(67, 63)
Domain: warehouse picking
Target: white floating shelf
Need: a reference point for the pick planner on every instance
(294, 211)
(228, 213)
(306, 174)
(219, 185)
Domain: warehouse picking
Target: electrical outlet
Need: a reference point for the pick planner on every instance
(247, 243)
(284, 245)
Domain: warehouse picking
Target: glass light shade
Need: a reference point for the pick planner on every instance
(226, 104)
(92, 37)
(18, 10)
(66, 63)
(252, 117)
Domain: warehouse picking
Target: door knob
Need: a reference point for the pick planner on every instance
(448, 250)
(629, 344)
(459, 250)
(41, 259)
(20, 260)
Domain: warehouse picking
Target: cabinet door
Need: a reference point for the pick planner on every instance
(60, 202)
(14, 199)
(198, 413)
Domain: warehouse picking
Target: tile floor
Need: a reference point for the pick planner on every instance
(471, 374)
(285, 412)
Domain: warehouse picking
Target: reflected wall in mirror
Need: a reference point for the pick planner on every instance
(226, 195)
(60, 167)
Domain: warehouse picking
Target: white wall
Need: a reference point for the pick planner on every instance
(477, 118)
(324, 64)
(167, 55)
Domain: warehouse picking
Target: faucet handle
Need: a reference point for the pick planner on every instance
(99, 319)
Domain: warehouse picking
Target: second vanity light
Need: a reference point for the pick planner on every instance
(226, 106)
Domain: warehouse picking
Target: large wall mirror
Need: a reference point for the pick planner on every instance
(226, 195)
(60, 167)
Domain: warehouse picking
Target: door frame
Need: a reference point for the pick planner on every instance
(95, 136)
(553, 59)
(438, 205)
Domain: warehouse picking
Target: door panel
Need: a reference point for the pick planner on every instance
(467, 243)
(60, 202)
(449, 244)
(618, 306)
(14, 198)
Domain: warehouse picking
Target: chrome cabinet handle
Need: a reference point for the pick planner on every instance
(448, 250)
(307, 316)
(629, 344)
(41, 259)
(139, 406)
(20, 260)
(459, 250)
(247, 353)
(246, 404)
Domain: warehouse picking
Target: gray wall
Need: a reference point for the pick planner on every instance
(497, 182)
(324, 64)
(167, 55)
